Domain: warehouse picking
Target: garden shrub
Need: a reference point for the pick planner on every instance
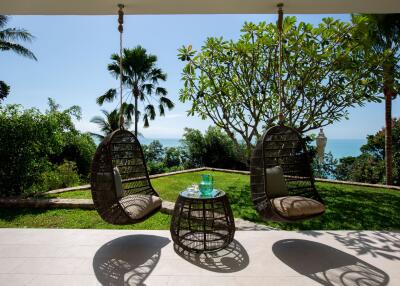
(29, 140)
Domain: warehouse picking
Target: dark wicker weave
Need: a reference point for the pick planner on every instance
(281, 146)
(202, 225)
(119, 149)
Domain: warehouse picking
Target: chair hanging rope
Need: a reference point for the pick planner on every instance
(120, 185)
(281, 176)
(121, 30)
(280, 61)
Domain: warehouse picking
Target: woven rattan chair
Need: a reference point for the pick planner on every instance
(138, 200)
(283, 146)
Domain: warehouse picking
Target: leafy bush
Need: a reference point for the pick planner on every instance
(173, 157)
(213, 149)
(31, 139)
(61, 176)
(325, 169)
(79, 148)
(156, 167)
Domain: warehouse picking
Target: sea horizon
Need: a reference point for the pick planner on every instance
(338, 147)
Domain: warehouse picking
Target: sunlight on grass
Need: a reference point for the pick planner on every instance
(347, 207)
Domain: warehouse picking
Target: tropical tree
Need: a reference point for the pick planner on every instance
(383, 41)
(234, 83)
(108, 123)
(141, 77)
(9, 38)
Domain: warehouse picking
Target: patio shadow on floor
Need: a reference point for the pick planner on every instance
(327, 265)
(233, 258)
(128, 260)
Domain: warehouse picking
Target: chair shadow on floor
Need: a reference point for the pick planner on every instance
(327, 265)
(233, 258)
(128, 260)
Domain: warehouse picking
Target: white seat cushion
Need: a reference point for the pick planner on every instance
(138, 206)
(297, 207)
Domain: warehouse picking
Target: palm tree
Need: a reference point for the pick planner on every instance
(384, 40)
(108, 123)
(141, 77)
(9, 38)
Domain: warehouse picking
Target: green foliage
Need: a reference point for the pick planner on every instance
(72, 218)
(213, 149)
(154, 151)
(369, 167)
(379, 35)
(32, 142)
(61, 176)
(325, 169)
(109, 123)
(233, 83)
(348, 207)
(172, 157)
(9, 38)
(141, 77)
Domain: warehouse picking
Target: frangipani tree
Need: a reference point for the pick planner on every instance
(234, 83)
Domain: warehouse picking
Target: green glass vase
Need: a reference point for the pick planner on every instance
(206, 185)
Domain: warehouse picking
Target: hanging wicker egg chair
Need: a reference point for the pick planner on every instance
(121, 189)
(281, 178)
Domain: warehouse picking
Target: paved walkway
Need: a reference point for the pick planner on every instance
(119, 257)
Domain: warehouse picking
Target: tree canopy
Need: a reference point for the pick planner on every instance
(234, 83)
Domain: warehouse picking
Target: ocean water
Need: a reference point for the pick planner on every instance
(339, 147)
(344, 147)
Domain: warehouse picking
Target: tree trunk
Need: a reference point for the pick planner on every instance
(136, 115)
(388, 71)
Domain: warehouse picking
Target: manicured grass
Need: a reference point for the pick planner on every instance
(83, 194)
(348, 207)
(71, 218)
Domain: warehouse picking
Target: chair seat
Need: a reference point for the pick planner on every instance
(297, 207)
(139, 206)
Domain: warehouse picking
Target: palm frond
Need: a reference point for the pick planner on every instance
(109, 96)
(14, 34)
(165, 101)
(4, 90)
(161, 91)
(161, 109)
(16, 48)
(3, 20)
(146, 121)
(150, 111)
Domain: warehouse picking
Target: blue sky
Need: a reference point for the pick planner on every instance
(73, 53)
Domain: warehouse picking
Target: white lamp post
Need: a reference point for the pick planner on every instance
(321, 143)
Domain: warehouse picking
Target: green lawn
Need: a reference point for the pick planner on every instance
(348, 207)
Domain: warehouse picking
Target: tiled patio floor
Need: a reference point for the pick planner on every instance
(118, 257)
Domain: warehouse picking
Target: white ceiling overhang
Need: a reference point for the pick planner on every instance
(159, 7)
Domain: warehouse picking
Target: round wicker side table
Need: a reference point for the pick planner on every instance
(202, 224)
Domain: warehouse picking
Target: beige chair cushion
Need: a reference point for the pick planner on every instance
(297, 207)
(276, 184)
(118, 183)
(139, 206)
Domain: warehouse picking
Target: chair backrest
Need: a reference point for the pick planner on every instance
(127, 154)
(119, 149)
(281, 146)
